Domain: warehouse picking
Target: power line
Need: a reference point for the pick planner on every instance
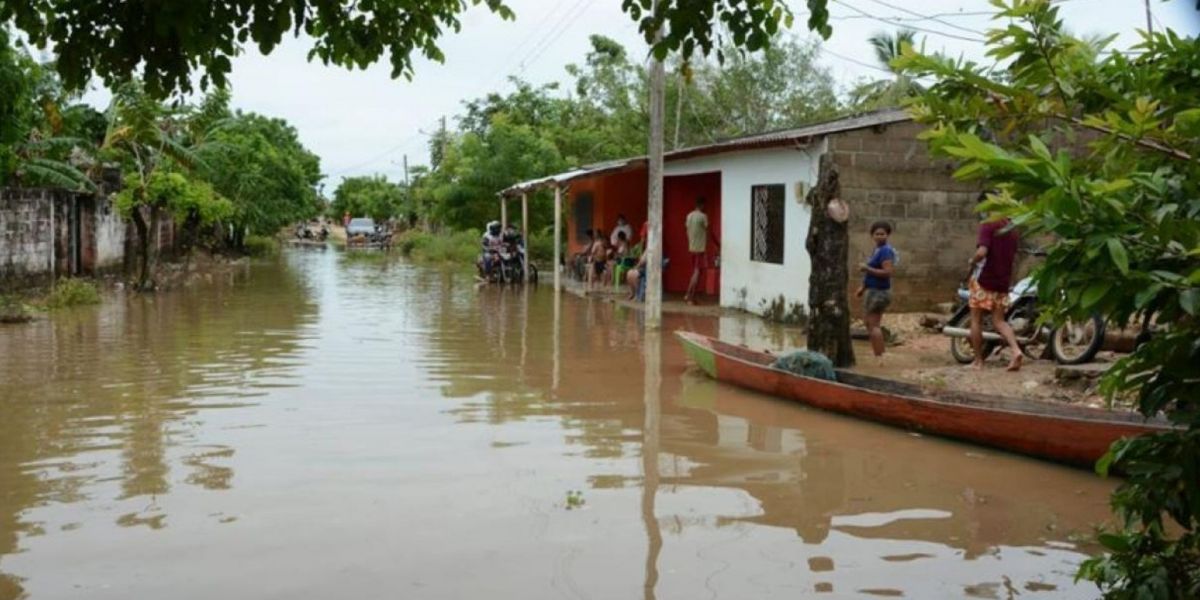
(913, 27)
(924, 17)
(580, 8)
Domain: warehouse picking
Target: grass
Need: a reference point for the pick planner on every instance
(14, 310)
(72, 292)
(262, 246)
(460, 247)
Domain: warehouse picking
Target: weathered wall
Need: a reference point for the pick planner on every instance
(747, 284)
(47, 232)
(26, 237)
(887, 174)
(109, 236)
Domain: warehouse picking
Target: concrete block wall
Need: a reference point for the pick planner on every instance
(36, 232)
(109, 236)
(26, 233)
(887, 174)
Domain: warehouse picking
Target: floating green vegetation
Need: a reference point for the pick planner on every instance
(14, 310)
(261, 246)
(69, 292)
(575, 499)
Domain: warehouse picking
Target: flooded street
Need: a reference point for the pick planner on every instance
(324, 428)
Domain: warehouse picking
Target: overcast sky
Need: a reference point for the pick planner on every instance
(363, 122)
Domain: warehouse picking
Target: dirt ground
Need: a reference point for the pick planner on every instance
(923, 356)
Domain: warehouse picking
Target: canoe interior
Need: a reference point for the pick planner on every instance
(911, 390)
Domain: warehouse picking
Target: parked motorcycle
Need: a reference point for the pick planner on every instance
(512, 260)
(1071, 344)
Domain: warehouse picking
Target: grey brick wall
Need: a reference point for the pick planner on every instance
(26, 235)
(887, 174)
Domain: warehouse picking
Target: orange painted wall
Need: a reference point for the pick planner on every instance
(625, 193)
(612, 195)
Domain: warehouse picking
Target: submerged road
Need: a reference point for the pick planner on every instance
(323, 427)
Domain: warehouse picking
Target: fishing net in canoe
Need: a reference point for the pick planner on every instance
(806, 363)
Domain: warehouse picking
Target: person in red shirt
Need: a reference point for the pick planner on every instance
(992, 268)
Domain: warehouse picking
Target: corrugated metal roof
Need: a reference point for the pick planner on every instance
(769, 139)
(567, 176)
(795, 135)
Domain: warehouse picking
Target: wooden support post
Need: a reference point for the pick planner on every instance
(557, 240)
(525, 234)
(503, 212)
(655, 193)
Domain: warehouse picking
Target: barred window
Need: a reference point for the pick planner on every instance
(766, 223)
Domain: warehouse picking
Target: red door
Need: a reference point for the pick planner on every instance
(679, 198)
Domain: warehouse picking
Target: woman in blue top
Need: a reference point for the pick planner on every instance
(876, 288)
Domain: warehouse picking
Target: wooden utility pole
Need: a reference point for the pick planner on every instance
(557, 242)
(525, 235)
(678, 110)
(655, 191)
(405, 170)
(1149, 19)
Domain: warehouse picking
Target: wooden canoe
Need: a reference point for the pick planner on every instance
(1062, 433)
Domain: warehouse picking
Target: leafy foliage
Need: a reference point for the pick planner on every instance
(533, 131)
(373, 196)
(37, 135)
(704, 27)
(68, 292)
(1099, 150)
(886, 92)
(124, 39)
(258, 163)
(183, 198)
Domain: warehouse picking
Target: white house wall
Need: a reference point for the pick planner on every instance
(746, 284)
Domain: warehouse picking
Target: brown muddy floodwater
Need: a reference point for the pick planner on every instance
(324, 428)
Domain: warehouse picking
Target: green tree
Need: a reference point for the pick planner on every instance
(886, 92)
(37, 137)
(258, 163)
(781, 86)
(121, 39)
(372, 196)
(1099, 150)
(144, 136)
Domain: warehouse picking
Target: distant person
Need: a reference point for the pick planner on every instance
(698, 237)
(598, 255)
(876, 288)
(580, 260)
(490, 246)
(623, 226)
(346, 219)
(992, 269)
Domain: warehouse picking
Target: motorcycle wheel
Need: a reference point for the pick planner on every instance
(1035, 348)
(960, 347)
(1075, 342)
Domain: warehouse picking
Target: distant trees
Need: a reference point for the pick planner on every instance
(369, 196)
(531, 131)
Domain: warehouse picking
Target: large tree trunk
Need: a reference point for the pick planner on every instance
(828, 246)
(143, 233)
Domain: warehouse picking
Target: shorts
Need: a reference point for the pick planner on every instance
(985, 299)
(699, 261)
(876, 301)
(599, 267)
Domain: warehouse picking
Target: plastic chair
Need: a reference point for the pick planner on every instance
(641, 291)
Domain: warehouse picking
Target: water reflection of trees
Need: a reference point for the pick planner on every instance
(106, 393)
(807, 471)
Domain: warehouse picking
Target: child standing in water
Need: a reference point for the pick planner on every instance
(876, 288)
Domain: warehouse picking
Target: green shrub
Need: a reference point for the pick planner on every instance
(14, 310)
(541, 247)
(461, 248)
(261, 246)
(72, 292)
